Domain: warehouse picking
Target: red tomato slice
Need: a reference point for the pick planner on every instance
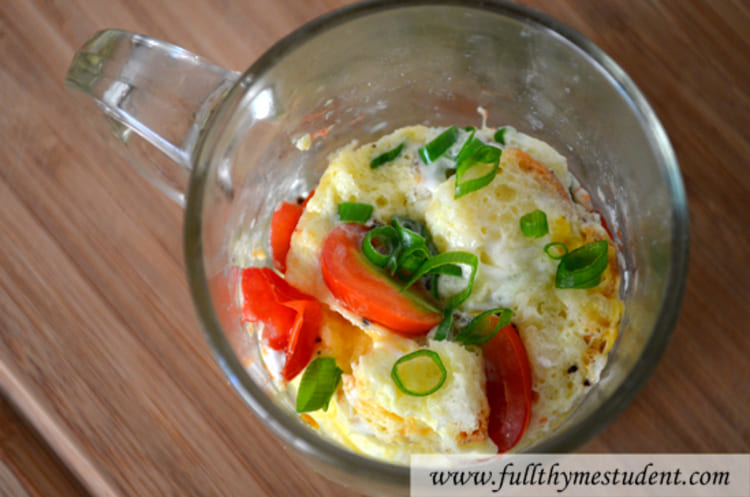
(365, 290)
(508, 387)
(291, 319)
(302, 338)
(260, 289)
(283, 222)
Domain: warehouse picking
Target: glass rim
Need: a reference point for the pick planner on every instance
(284, 424)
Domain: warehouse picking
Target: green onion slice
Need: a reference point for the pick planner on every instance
(412, 233)
(556, 250)
(433, 264)
(500, 136)
(388, 246)
(445, 325)
(473, 153)
(583, 267)
(354, 212)
(437, 147)
(411, 259)
(448, 269)
(478, 331)
(419, 373)
(386, 157)
(318, 384)
(534, 224)
(469, 147)
(414, 240)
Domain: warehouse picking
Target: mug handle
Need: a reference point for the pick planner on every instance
(150, 94)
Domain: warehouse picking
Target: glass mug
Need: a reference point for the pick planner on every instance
(223, 145)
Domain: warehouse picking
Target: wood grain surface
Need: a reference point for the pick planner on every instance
(28, 468)
(101, 350)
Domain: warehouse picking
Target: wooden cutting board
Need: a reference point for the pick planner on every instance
(101, 352)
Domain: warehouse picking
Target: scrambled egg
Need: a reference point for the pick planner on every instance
(567, 333)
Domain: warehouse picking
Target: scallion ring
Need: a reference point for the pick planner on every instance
(534, 224)
(386, 157)
(386, 253)
(411, 233)
(411, 259)
(433, 264)
(500, 136)
(469, 147)
(448, 269)
(354, 212)
(478, 331)
(437, 147)
(318, 384)
(556, 250)
(475, 153)
(413, 376)
(583, 267)
(444, 328)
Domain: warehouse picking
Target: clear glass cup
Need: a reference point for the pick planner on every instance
(222, 145)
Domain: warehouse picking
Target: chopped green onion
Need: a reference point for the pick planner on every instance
(470, 128)
(319, 382)
(413, 238)
(448, 269)
(433, 264)
(469, 147)
(386, 254)
(445, 325)
(408, 223)
(411, 233)
(413, 377)
(473, 153)
(534, 224)
(354, 212)
(437, 147)
(500, 136)
(556, 250)
(411, 259)
(386, 157)
(583, 267)
(477, 332)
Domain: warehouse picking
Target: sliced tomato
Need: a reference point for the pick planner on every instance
(508, 387)
(291, 319)
(366, 290)
(283, 222)
(261, 302)
(302, 338)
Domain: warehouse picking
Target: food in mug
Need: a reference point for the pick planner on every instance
(441, 290)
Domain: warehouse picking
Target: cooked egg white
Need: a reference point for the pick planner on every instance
(370, 415)
(567, 333)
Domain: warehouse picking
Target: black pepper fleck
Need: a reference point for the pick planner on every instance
(365, 322)
(586, 383)
(573, 368)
